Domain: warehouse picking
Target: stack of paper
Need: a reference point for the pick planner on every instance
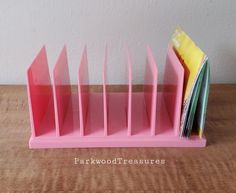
(196, 83)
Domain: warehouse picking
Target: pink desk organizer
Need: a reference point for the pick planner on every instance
(61, 119)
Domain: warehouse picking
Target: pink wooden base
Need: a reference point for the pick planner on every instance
(117, 135)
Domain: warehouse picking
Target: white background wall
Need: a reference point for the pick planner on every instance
(27, 25)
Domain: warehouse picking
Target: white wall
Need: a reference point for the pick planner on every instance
(26, 25)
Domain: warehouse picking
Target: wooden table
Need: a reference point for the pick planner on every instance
(210, 169)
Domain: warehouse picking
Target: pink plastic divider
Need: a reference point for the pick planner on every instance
(150, 90)
(40, 96)
(173, 88)
(129, 102)
(63, 96)
(91, 104)
(105, 96)
(83, 91)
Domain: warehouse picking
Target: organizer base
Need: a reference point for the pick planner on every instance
(166, 140)
(117, 130)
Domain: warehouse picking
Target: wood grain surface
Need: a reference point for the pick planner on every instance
(210, 169)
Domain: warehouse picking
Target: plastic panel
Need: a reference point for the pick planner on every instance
(40, 96)
(64, 111)
(173, 88)
(83, 91)
(150, 90)
(105, 97)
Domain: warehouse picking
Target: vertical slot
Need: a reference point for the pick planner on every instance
(66, 117)
(40, 96)
(150, 90)
(91, 104)
(83, 91)
(105, 96)
(117, 110)
(173, 88)
(143, 113)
